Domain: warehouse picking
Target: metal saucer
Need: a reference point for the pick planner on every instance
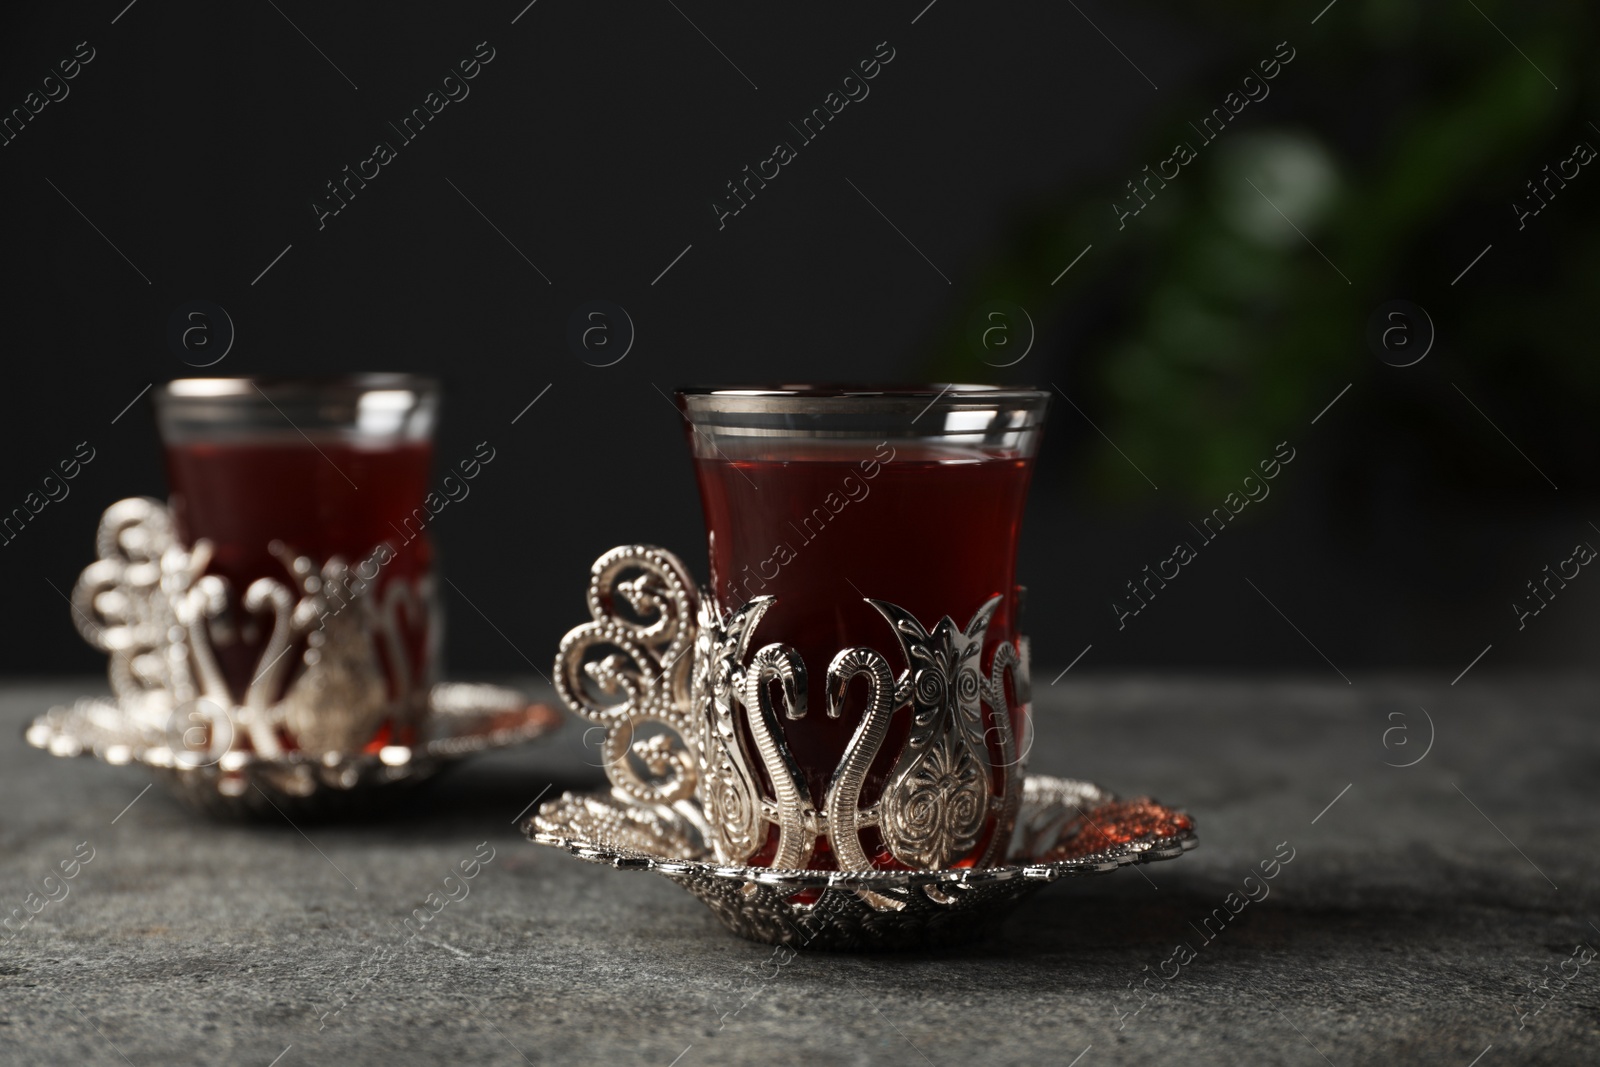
(460, 719)
(1064, 828)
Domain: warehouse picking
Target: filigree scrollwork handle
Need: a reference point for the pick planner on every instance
(129, 602)
(636, 649)
(110, 603)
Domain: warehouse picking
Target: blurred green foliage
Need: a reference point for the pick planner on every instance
(1209, 327)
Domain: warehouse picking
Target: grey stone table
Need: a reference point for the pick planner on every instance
(1420, 912)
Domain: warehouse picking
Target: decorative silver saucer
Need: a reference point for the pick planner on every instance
(1064, 828)
(460, 719)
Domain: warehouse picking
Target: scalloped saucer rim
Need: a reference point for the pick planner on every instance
(871, 910)
(64, 731)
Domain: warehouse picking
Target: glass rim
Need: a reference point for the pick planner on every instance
(252, 386)
(991, 417)
(358, 407)
(796, 396)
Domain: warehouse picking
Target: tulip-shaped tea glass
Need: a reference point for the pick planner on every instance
(861, 676)
(305, 498)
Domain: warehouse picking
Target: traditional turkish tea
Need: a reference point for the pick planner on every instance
(870, 542)
(283, 478)
(317, 499)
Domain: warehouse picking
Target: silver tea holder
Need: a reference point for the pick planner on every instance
(303, 735)
(675, 686)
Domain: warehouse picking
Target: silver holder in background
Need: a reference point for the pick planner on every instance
(148, 602)
(675, 687)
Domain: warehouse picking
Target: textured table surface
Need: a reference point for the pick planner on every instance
(1429, 913)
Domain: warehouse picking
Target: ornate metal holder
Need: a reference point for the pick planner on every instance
(689, 800)
(310, 743)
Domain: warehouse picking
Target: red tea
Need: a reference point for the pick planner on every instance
(930, 528)
(335, 497)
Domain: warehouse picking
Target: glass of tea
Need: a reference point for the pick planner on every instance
(319, 485)
(864, 529)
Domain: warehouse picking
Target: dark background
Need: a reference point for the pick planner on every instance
(998, 139)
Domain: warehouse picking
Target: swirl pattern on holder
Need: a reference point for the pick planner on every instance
(630, 668)
(937, 802)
